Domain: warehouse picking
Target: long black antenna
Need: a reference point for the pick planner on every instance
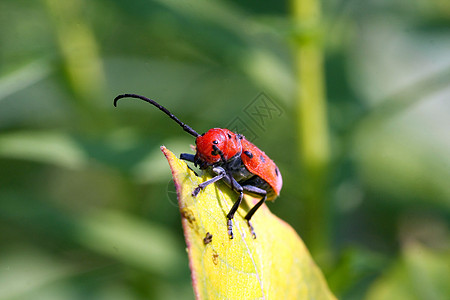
(184, 126)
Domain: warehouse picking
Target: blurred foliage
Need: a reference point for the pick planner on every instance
(86, 201)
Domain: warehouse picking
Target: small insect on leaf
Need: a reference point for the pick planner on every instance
(208, 238)
(228, 155)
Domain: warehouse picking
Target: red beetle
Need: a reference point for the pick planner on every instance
(233, 159)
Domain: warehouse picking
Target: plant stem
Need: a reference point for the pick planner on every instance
(312, 123)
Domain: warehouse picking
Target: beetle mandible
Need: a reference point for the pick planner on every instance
(228, 156)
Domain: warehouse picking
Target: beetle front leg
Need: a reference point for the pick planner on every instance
(220, 174)
(187, 157)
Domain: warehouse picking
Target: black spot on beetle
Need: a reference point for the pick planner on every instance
(248, 153)
(215, 142)
(229, 135)
(261, 157)
(276, 171)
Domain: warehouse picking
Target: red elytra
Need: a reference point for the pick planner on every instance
(262, 166)
(232, 159)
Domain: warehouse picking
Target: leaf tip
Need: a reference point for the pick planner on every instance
(164, 150)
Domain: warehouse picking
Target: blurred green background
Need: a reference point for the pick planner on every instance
(87, 207)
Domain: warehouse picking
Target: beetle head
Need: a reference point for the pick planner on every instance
(217, 145)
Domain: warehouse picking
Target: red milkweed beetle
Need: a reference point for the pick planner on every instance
(231, 158)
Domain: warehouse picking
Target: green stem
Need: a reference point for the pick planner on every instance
(312, 123)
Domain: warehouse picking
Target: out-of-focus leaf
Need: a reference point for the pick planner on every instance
(131, 241)
(400, 162)
(276, 265)
(22, 272)
(24, 77)
(127, 239)
(79, 49)
(215, 28)
(151, 167)
(28, 273)
(48, 147)
(420, 274)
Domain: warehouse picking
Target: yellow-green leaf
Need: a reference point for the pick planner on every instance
(275, 265)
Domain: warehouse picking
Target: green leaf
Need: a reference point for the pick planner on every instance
(275, 265)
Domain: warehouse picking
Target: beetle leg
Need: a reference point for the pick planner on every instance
(190, 158)
(187, 157)
(220, 174)
(233, 210)
(254, 190)
(234, 185)
(230, 181)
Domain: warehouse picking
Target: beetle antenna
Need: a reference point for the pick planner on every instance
(162, 108)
